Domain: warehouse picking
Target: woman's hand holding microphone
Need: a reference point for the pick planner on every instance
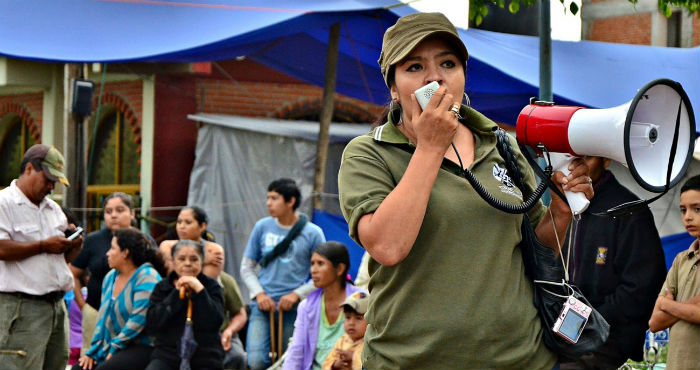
(436, 125)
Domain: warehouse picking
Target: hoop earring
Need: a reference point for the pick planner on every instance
(466, 100)
(395, 107)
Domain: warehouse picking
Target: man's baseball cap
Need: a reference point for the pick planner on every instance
(401, 38)
(358, 301)
(51, 162)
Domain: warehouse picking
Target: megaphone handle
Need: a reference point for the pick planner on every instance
(577, 201)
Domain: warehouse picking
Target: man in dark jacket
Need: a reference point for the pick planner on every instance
(618, 263)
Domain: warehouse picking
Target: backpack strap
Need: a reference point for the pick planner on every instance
(283, 246)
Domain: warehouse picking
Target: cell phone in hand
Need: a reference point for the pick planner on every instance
(424, 93)
(75, 233)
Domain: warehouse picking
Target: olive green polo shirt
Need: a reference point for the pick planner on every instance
(683, 281)
(460, 299)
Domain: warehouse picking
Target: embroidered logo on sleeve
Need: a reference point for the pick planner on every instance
(508, 187)
(601, 256)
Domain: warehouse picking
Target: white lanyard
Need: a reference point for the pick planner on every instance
(573, 228)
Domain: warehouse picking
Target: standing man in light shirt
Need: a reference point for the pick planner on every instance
(34, 273)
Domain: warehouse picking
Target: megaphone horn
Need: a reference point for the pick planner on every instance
(644, 134)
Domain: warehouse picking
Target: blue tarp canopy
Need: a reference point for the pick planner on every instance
(292, 37)
(335, 228)
(674, 244)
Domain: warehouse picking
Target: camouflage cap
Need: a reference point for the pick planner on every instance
(401, 38)
(51, 162)
(358, 301)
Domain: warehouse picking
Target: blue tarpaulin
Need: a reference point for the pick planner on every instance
(674, 244)
(292, 37)
(335, 228)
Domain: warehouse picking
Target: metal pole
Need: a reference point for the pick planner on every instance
(81, 181)
(545, 31)
(545, 93)
(73, 147)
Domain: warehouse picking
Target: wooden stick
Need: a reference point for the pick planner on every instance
(273, 352)
(280, 349)
(189, 309)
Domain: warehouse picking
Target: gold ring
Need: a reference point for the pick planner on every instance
(455, 110)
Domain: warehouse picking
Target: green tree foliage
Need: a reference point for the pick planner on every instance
(666, 6)
(478, 9)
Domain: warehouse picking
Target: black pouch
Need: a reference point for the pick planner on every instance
(542, 265)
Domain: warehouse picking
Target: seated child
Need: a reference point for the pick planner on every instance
(346, 352)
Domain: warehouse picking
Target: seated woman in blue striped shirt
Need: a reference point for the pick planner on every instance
(119, 341)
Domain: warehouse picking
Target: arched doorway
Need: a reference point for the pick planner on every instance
(16, 136)
(114, 158)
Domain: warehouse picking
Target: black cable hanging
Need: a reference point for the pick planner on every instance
(506, 152)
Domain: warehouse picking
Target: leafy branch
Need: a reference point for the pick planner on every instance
(478, 9)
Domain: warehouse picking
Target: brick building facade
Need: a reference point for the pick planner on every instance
(623, 22)
(143, 112)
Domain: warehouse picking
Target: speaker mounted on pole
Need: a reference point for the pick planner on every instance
(81, 97)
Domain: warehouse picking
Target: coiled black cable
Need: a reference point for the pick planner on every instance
(506, 151)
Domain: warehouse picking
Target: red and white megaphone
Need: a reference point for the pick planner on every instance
(640, 134)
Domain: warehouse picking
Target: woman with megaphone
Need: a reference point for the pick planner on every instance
(186, 314)
(447, 281)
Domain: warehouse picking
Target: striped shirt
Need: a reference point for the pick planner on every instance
(121, 319)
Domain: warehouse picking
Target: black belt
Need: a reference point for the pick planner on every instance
(51, 297)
